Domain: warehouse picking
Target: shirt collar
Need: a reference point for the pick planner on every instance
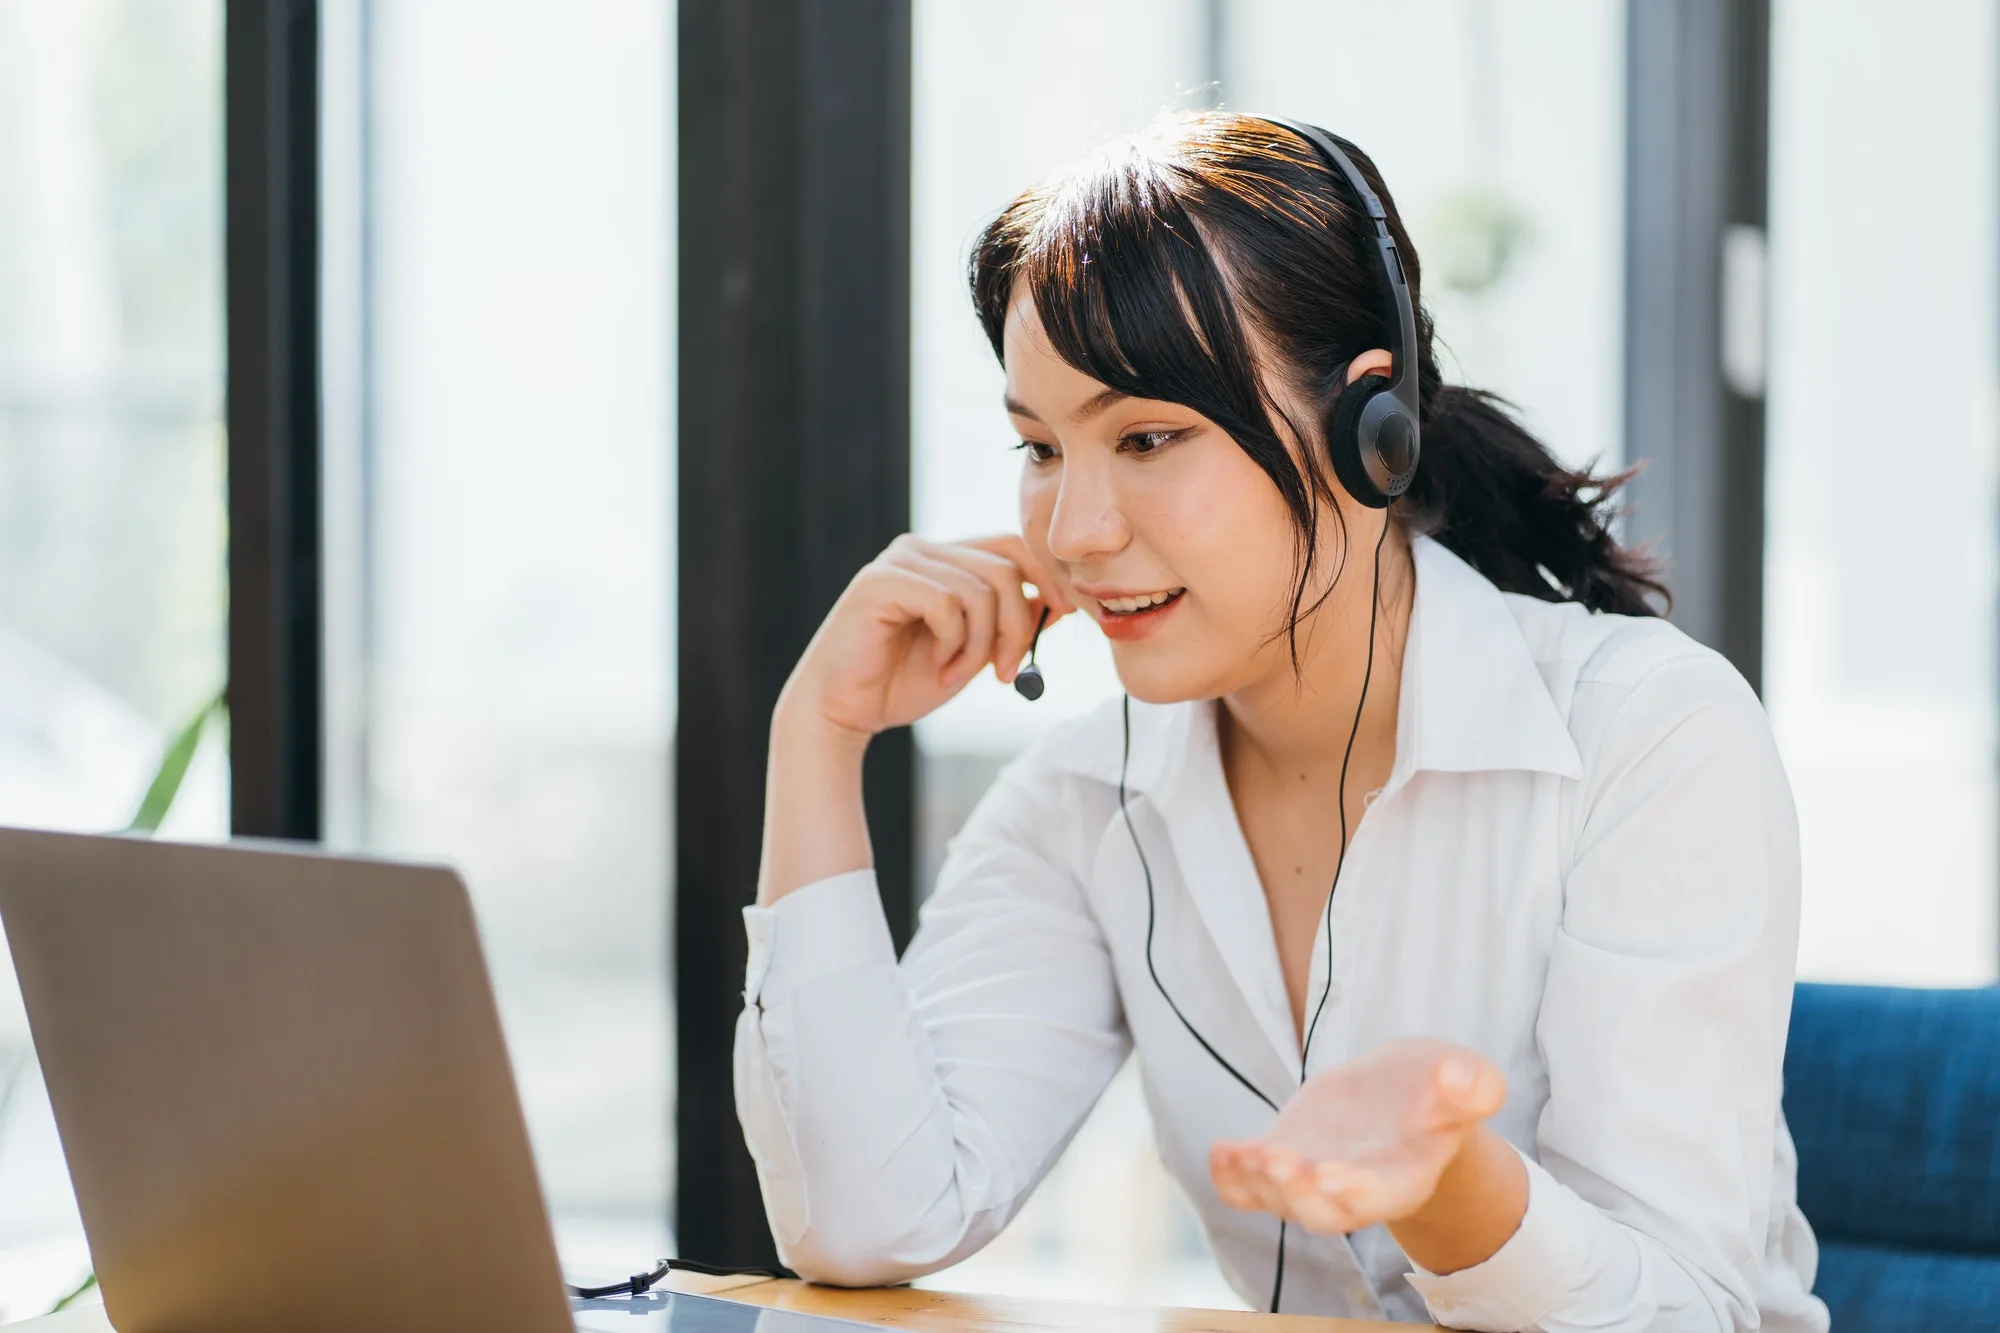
(1473, 698)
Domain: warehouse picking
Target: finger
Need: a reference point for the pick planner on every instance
(1225, 1169)
(1011, 546)
(1337, 1180)
(1342, 1196)
(1282, 1168)
(1236, 1169)
(1242, 1174)
(980, 600)
(1017, 615)
(904, 596)
(1467, 1087)
(1319, 1209)
(1367, 1194)
(1271, 1174)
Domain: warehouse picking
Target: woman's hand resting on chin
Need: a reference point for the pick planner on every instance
(917, 623)
(914, 626)
(1395, 1137)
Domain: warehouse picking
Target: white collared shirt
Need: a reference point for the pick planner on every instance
(1584, 865)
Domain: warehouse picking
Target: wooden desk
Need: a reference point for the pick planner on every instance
(950, 1312)
(923, 1312)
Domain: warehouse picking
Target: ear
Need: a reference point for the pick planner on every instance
(1376, 362)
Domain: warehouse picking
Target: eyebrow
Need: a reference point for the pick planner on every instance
(1092, 405)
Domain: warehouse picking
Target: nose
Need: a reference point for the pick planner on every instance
(1087, 523)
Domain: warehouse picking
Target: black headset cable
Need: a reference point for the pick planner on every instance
(641, 1283)
(1305, 1049)
(1367, 675)
(1124, 764)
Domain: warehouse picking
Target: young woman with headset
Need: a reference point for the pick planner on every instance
(1448, 894)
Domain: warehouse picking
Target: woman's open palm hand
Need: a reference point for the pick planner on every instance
(1365, 1142)
(915, 625)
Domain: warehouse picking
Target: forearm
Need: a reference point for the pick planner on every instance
(898, 1113)
(1477, 1207)
(856, 1156)
(815, 824)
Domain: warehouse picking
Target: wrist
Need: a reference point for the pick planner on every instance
(800, 729)
(1480, 1199)
(814, 822)
(1484, 1157)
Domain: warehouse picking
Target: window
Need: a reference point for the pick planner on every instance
(1508, 167)
(112, 575)
(498, 241)
(1880, 566)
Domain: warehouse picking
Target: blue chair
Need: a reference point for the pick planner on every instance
(1893, 1097)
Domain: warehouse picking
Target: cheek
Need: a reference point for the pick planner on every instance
(1232, 539)
(1038, 503)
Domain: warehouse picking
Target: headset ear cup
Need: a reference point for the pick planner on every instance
(1343, 440)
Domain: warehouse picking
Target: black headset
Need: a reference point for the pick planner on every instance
(1373, 438)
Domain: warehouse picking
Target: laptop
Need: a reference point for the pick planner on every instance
(284, 1098)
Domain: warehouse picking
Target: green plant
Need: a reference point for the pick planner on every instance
(83, 1289)
(166, 783)
(1475, 235)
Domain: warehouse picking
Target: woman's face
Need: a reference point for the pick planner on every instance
(1156, 523)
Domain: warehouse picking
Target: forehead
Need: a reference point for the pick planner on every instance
(1030, 359)
(1037, 375)
(1022, 329)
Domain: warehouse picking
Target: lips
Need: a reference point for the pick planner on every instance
(1121, 606)
(1128, 625)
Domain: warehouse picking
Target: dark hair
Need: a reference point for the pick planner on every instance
(1146, 262)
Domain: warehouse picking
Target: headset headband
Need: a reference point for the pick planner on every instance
(1402, 375)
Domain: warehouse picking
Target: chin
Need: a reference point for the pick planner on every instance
(1157, 678)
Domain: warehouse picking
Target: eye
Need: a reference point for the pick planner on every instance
(1145, 442)
(1037, 451)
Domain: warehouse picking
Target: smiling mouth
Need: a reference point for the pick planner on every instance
(1119, 607)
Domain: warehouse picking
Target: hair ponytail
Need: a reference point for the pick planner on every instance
(1494, 495)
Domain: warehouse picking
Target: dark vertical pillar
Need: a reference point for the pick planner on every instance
(1212, 33)
(272, 218)
(1696, 133)
(794, 447)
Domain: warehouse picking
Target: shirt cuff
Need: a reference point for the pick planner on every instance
(828, 926)
(1526, 1279)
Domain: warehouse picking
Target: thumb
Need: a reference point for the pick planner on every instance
(1468, 1088)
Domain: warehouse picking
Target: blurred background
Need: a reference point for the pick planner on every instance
(1752, 245)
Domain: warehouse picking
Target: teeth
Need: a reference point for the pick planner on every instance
(1125, 606)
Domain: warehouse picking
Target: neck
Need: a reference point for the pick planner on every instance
(1300, 723)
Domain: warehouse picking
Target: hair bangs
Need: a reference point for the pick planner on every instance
(1127, 291)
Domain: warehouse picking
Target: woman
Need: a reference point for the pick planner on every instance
(1448, 895)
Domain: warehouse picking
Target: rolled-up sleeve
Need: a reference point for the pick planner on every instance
(900, 1114)
(1662, 1029)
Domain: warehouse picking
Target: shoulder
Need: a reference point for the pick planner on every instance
(1625, 683)
(1681, 835)
(1679, 769)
